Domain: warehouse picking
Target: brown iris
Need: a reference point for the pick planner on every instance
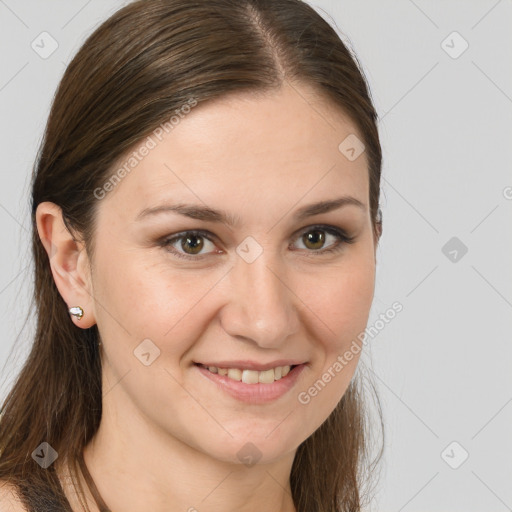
(316, 237)
(194, 241)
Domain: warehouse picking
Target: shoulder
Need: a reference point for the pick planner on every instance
(9, 500)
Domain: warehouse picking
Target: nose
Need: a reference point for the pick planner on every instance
(262, 306)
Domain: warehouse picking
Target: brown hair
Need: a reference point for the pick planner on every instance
(131, 75)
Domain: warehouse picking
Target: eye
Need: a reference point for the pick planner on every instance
(315, 238)
(191, 243)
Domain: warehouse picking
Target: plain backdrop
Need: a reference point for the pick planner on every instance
(441, 79)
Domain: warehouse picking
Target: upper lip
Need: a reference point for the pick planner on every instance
(251, 365)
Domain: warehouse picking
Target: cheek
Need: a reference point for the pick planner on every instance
(344, 299)
(140, 296)
(345, 310)
(342, 305)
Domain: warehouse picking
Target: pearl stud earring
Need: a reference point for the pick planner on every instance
(76, 311)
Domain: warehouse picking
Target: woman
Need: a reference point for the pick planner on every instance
(205, 224)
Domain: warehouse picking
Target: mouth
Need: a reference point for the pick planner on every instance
(251, 386)
(251, 376)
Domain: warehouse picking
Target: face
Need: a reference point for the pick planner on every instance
(261, 288)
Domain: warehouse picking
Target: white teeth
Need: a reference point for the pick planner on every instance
(252, 376)
(249, 376)
(235, 374)
(266, 377)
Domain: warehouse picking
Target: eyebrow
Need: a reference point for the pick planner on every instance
(204, 213)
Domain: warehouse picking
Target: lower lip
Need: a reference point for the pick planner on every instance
(254, 393)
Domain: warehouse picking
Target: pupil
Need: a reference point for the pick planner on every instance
(196, 247)
(319, 238)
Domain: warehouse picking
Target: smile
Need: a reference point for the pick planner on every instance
(253, 392)
(252, 376)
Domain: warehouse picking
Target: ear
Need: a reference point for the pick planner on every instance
(69, 263)
(378, 230)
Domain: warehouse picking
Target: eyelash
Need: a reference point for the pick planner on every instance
(342, 237)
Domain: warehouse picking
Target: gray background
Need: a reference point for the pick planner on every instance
(441, 365)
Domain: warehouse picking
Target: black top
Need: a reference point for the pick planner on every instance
(37, 500)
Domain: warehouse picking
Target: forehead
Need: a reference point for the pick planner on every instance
(259, 146)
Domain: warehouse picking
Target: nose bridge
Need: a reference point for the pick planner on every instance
(262, 305)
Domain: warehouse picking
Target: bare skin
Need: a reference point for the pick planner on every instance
(169, 439)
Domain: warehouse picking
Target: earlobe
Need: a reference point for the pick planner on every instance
(71, 278)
